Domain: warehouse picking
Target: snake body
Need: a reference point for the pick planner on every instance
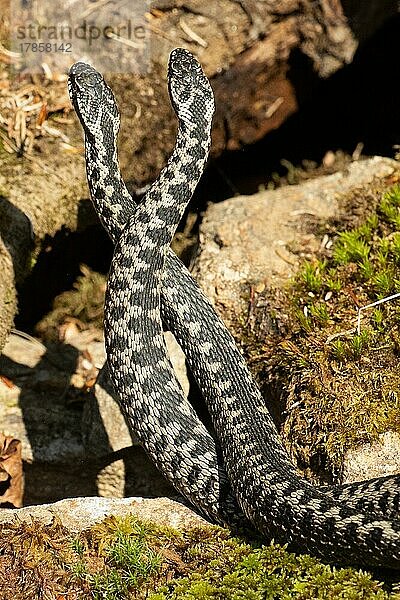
(267, 486)
(205, 482)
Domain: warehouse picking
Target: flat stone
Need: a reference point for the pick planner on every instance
(77, 514)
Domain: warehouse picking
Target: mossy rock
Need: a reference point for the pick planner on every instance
(125, 557)
(340, 386)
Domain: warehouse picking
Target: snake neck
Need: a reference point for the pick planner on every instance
(180, 176)
(190, 154)
(109, 194)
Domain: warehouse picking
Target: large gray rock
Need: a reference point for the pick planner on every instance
(33, 408)
(259, 240)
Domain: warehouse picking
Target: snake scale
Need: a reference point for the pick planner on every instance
(357, 523)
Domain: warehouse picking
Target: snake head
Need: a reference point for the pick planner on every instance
(93, 101)
(190, 91)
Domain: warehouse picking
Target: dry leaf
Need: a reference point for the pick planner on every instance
(11, 473)
(7, 382)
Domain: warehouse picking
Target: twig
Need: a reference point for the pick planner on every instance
(387, 299)
(9, 53)
(159, 32)
(192, 34)
(127, 42)
(272, 108)
(28, 337)
(332, 337)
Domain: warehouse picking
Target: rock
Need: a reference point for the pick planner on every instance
(74, 442)
(33, 407)
(258, 241)
(35, 200)
(178, 361)
(8, 295)
(77, 514)
(377, 459)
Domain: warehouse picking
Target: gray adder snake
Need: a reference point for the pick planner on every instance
(356, 523)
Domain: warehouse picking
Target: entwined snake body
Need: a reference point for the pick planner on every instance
(146, 278)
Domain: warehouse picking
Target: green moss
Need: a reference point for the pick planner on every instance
(340, 389)
(319, 312)
(125, 558)
(129, 560)
(270, 572)
(312, 275)
(389, 207)
(335, 396)
(350, 247)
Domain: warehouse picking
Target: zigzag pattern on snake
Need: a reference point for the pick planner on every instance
(266, 483)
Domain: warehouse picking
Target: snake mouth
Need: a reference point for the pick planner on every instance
(75, 72)
(71, 92)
